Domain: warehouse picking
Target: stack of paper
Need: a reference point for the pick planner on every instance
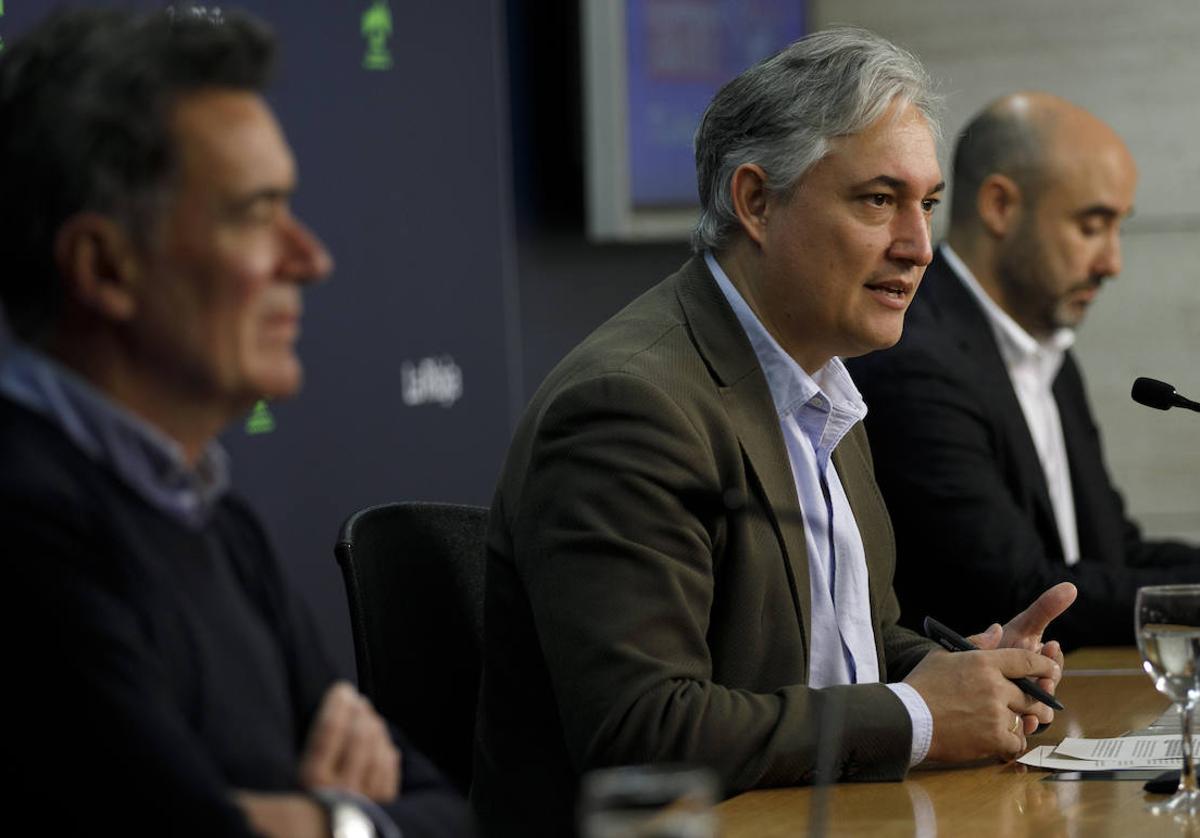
(1107, 754)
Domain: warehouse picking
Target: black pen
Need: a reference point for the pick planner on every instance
(952, 641)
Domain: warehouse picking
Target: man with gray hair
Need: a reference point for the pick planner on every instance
(688, 559)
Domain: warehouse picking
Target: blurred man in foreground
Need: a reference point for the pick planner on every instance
(170, 682)
(985, 446)
(688, 557)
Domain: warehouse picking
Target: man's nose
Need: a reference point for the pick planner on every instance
(1108, 261)
(911, 237)
(308, 259)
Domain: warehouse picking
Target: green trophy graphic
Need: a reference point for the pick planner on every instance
(260, 421)
(377, 29)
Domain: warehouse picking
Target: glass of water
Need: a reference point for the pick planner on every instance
(649, 801)
(1168, 635)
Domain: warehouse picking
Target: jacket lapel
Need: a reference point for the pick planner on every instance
(966, 324)
(723, 344)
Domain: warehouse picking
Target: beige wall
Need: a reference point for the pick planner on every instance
(1137, 66)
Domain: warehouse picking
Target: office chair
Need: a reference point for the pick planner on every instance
(414, 581)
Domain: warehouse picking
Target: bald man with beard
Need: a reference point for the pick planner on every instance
(985, 446)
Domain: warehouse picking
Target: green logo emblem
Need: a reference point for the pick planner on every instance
(261, 421)
(1, 15)
(377, 29)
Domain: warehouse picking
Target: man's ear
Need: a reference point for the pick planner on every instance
(999, 204)
(98, 264)
(748, 189)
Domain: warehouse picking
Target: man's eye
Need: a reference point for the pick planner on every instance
(928, 204)
(260, 212)
(879, 199)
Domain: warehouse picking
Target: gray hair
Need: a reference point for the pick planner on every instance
(782, 113)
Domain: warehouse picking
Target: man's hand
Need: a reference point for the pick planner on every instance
(1025, 631)
(283, 815)
(349, 748)
(975, 707)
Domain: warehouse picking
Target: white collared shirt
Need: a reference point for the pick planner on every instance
(1032, 367)
(815, 413)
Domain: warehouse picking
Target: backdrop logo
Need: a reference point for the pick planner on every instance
(1, 35)
(377, 29)
(431, 381)
(260, 420)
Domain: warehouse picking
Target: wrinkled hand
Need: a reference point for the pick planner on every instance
(349, 748)
(1025, 631)
(974, 704)
(283, 815)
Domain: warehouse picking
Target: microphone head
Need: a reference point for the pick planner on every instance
(1153, 393)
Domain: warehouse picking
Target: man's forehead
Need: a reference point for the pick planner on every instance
(232, 159)
(897, 184)
(897, 151)
(1100, 176)
(229, 131)
(194, 111)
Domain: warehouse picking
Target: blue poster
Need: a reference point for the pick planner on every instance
(680, 53)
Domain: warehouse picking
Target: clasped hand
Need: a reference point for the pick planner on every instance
(349, 748)
(970, 696)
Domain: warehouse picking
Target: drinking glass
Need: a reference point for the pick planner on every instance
(1168, 634)
(649, 801)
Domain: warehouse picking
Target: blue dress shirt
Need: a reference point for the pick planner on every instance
(145, 458)
(815, 412)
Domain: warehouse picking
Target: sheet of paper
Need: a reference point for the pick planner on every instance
(1044, 756)
(1139, 748)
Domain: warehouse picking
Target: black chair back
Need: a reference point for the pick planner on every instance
(414, 580)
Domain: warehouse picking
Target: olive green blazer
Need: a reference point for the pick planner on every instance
(647, 580)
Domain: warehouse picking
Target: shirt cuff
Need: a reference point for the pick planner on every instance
(385, 827)
(922, 720)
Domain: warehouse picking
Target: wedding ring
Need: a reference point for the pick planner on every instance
(1016, 725)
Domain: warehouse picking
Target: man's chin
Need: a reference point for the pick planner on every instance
(1070, 316)
(282, 382)
(868, 348)
(885, 336)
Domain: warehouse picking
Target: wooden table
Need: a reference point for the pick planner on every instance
(1106, 694)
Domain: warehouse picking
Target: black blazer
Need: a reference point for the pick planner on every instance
(975, 531)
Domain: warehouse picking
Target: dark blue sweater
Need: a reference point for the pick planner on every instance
(156, 668)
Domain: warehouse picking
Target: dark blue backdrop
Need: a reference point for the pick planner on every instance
(411, 349)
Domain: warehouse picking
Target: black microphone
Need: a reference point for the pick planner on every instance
(1160, 395)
